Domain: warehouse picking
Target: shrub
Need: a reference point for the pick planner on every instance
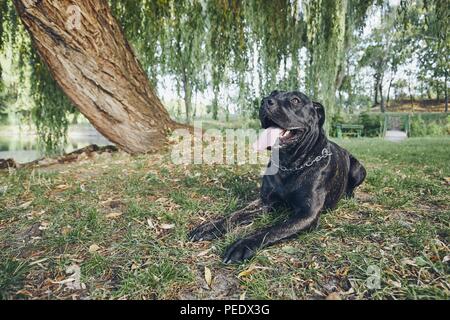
(373, 124)
(447, 126)
(4, 119)
(429, 125)
(434, 129)
(335, 120)
(418, 127)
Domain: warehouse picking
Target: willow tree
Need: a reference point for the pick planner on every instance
(144, 24)
(326, 36)
(256, 45)
(222, 15)
(87, 54)
(427, 24)
(183, 48)
(330, 26)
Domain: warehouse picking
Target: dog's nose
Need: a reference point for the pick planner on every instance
(270, 102)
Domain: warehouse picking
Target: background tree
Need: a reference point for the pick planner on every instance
(433, 44)
(233, 52)
(88, 56)
(184, 50)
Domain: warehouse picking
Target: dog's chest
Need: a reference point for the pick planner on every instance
(277, 187)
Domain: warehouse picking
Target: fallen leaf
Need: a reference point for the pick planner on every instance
(150, 223)
(134, 266)
(36, 213)
(113, 215)
(24, 293)
(44, 226)
(106, 202)
(247, 272)
(38, 261)
(204, 253)
(395, 284)
(343, 271)
(208, 276)
(408, 262)
(243, 296)
(94, 248)
(334, 296)
(167, 226)
(62, 187)
(66, 230)
(73, 282)
(162, 200)
(446, 259)
(157, 279)
(25, 205)
(289, 249)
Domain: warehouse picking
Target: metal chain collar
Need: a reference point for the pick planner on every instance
(325, 154)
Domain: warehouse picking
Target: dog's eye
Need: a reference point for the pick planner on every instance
(295, 101)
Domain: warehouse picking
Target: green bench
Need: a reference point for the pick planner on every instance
(352, 130)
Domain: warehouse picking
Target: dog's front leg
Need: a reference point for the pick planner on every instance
(217, 228)
(302, 220)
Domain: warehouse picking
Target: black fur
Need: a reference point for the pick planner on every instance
(308, 192)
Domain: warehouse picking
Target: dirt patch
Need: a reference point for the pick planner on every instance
(224, 285)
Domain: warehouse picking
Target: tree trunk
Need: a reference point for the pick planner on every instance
(388, 101)
(377, 88)
(429, 95)
(215, 105)
(410, 95)
(446, 92)
(87, 54)
(187, 98)
(438, 92)
(382, 106)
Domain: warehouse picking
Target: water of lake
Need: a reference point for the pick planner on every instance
(22, 146)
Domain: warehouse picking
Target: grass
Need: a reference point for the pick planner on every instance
(123, 222)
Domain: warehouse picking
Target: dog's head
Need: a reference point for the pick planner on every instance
(295, 114)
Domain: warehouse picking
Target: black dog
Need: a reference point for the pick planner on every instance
(314, 174)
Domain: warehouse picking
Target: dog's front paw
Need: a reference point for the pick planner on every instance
(208, 231)
(240, 251)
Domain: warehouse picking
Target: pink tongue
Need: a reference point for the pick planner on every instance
(267, 138)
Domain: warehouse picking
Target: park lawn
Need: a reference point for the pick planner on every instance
(123, 221)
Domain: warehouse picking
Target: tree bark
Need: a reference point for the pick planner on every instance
(382, 106)
(377, 88)
(187, 97)
(410, 95)
(86, 52)
(438, 92)
(215, 105)
(446, 92)
(388, 100)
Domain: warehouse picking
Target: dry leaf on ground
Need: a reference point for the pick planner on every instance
(94, 248)
(113, 215)
(208, 276)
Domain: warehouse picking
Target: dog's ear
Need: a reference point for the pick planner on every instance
(321, 112)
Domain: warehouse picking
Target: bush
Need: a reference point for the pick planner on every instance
(4, 119)
(429, 125)
(373, 124)
(335, 120)
(418, 127)
(447, 126)
(421, 125)
(434, 130)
